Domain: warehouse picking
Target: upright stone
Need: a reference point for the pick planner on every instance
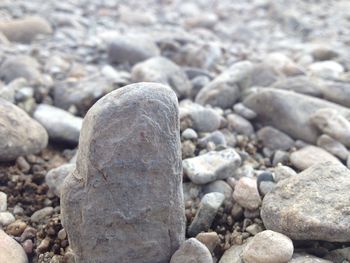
(124, 201)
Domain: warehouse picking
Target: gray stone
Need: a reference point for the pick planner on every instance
(326, 69)
(218, 186)
(41, 214)
(206, 213)
(280, 157)
(212, 166)
(246, 193)
(336, 91)
(312, 205)
(25, 30)
(310, 155)
(263, 75)
(304, 258)
(282, 172)
(6, 218)
(162, 70)
(274, 139)
(10, 250)
(3, 202)
(245, 112)
(289, 112)
(233, 254)
(333, 146)
(339, 255)
(239, 125)
(199, 118)
(82, 93)
(266, 187)
(20, 66)
(192, 251)
(20, 134)
(59, 124)
(300, 84)
(131, 49)
(268, 247)
(331, 122)
(217, 138)
(127, 201)
(226, 89)
(55, 177)
(189, 134)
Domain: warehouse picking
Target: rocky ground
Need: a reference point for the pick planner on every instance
(264, 96)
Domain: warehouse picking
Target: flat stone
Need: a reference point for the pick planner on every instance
(21, 134)
(209, 239)
(246, 193)
(333, 146)
(59, 124)
(239, 125)
(331, 122)
(41, 214)
(55, 177)
(212, 166)
(164, 71)
(131, 49)
(274, 139)
(206, 213)
(10, 250)
(312, 205)
(304, 258)
(20, 66)
(289, 112)
(192, 251)
(225, 89)
(310, 155)
(300, 84)
(137, 187)
(25, 30)
(199, 118)
(268, 247)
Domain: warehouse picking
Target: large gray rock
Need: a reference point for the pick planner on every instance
(26, 29)
(125, 197)
(60, 124)
(10, 250)
(289, 112)
(212, 166)
(192, 251)
(131, 49)
(19, 134)
(314, 205)
(162, 70)
(226, 89)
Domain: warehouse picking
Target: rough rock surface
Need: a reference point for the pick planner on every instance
(192, 251)
(20, 134)
(312, 205)
(127, 201)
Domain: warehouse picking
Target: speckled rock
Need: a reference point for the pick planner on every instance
(192, 251)
(10, 250)
(162, 70)
(312, 205)
(310, 155)
(24, 30)
(212, 166)
(59, 124)
(268, 247)
(138, 187)
(22, 135)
